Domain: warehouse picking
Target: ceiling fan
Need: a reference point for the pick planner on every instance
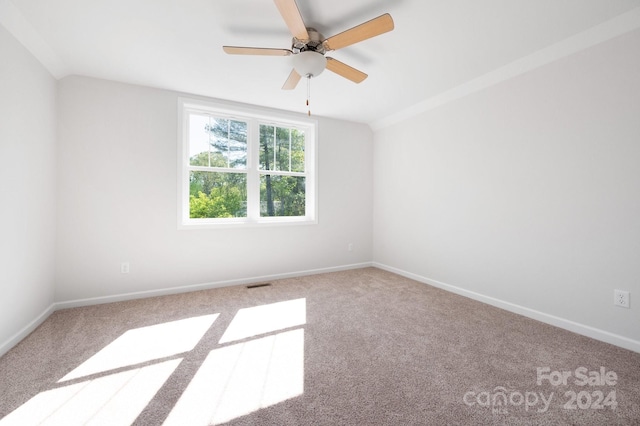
(308, 46)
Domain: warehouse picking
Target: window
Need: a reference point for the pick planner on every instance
(243, 167)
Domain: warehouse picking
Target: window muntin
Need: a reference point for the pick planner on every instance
(240, 167)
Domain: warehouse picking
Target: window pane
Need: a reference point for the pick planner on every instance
(297, 150)
(215, 195)
(266, 147)
(282, 195)
(228, 143)
(198, 140)
(282, 149)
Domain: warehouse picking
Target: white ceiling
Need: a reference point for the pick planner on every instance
(437, 45)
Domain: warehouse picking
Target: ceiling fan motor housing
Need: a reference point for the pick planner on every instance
(314, 43)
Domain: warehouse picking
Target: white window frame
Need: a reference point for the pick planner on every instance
(254, 117)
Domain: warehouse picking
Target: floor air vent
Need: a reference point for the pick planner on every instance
(259, 285)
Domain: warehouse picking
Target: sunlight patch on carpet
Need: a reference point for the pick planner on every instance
(249, 322)
(241, 378)
(115, 399)
(146, 344)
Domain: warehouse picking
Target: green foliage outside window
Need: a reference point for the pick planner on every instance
(214, 194)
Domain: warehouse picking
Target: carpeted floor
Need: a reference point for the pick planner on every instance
(348, 348)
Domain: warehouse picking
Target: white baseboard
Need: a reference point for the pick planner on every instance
(585, 330)
(26, 330)
(203, 286)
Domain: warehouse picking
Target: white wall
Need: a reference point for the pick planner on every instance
(117, 201)
(527, 192)
(27, 190)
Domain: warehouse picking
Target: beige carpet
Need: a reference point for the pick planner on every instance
(356, 347)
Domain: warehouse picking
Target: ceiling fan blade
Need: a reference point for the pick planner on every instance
(292, 17)
(237, 50)
(292, 81)
(372, 28)
(345, 70)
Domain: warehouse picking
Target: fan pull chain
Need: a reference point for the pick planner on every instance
(308, 94)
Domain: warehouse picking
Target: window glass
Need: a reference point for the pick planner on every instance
(198, 140)
(217, 195)
(281, 149)
(228, 143)
(282, 195)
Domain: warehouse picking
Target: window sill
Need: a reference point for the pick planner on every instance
(243, 223)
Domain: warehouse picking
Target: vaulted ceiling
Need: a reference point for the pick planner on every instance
(436, 45)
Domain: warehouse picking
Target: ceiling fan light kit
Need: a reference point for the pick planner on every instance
(308, 46)
(309, 63)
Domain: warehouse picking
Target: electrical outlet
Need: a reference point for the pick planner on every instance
(350, 246)
(124, 268)
(621, 298)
